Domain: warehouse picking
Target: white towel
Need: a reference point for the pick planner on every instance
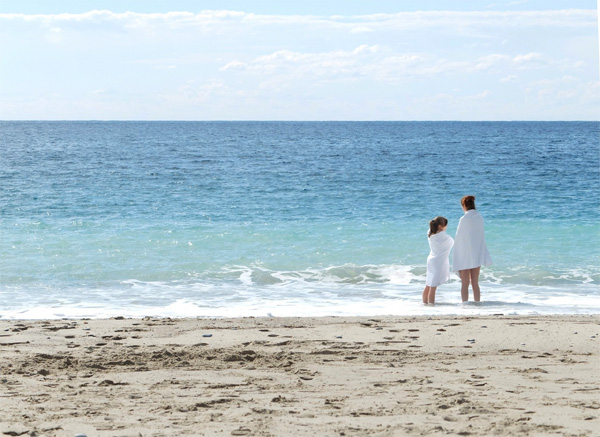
(470, 250)
(438, 265)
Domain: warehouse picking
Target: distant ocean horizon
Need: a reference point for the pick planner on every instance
(102, 120)
(287, 218)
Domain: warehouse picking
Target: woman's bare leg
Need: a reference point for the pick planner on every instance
(431, 298)
(464, 286)
(426, 294)
(474, 273)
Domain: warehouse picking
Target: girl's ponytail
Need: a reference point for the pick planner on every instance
(432, 228)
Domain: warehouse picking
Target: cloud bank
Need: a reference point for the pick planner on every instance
(529, 65)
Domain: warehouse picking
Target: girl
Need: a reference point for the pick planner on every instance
(470, 252)
(438, 266)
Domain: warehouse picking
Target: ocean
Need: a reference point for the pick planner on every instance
(222, 219)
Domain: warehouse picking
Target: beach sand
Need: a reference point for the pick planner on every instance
(363, 376)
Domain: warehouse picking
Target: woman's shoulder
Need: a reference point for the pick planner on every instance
(472, 214)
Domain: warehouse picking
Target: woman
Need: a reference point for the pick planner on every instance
(470, 251)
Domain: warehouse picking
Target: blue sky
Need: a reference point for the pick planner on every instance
(309, 60)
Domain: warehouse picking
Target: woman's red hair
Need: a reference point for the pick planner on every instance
(468, 202)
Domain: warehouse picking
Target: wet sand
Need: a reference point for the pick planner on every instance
(367, 376)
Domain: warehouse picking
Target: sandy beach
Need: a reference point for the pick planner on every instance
(377, 376)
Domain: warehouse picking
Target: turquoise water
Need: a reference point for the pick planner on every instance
(291, 218)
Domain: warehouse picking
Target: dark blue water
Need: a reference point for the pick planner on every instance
(221, 217)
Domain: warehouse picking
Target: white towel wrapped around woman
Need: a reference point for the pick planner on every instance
(438, 264)
(470, 250)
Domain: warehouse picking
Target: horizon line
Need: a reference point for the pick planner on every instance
(292, 121)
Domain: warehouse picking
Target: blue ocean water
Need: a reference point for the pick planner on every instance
(215, 219)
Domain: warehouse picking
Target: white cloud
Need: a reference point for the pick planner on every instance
(366, 49)
(235, 65)
(324, 64)
(54, 35)
(480, 96)
(361, 29)
(529, 58)
(361, 23)
(375, 62)
(489, 61)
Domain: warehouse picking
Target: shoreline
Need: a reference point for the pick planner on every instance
(270, 376)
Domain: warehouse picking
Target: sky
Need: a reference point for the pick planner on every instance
(305, 60)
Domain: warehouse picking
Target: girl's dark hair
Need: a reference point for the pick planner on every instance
(435, 224)
(468, 202)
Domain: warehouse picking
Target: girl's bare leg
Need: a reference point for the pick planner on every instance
(431, 298)
(464, 287)
(426, 294)
(474, 273)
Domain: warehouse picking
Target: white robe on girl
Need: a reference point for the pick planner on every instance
(470, 250)
(438, 264)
